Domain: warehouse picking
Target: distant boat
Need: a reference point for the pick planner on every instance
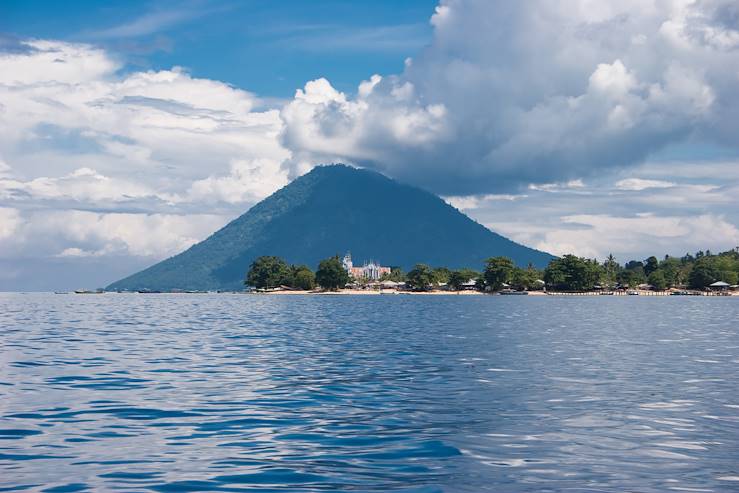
(513, 292)
(61, 292)
(87, 291)
(632, 293)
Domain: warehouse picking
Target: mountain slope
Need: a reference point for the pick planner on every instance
(331, 210)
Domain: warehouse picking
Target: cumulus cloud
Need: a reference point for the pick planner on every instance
(632, 217)
(9, 222)
(69, 119)
(642, 184)
(70, 233)
(510, 93)
(96, 161)
(595, 234)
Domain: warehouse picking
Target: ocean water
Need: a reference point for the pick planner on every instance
(232, 393)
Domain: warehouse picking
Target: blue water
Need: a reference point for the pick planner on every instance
(369, 393)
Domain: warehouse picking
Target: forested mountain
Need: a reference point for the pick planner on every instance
(332, 210)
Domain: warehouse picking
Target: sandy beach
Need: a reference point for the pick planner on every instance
(358, 292)
(369, 292)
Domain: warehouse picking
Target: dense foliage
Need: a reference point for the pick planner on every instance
(459, 277)
(396, 275)
(302, 278)
(698, 271)
(331, 274)
(421, 278)
(498, 271)
(567, 273)
(269, 272)
(570, 273)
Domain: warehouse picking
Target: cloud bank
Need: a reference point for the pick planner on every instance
(95, 161)
(512, 93)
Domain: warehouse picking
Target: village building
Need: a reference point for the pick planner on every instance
(719, 286)
(370, 271)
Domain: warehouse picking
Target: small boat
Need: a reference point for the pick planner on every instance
(632, 293)
(513, 292)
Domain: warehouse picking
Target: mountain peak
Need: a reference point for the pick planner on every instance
(328, 211)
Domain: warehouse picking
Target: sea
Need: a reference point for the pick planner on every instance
(234, 392)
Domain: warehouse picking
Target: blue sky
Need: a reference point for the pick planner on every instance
(132, 130)
(269, 47)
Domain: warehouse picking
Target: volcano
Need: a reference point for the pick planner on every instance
(329, 211)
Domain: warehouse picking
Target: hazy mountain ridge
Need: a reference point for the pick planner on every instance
(331, 210)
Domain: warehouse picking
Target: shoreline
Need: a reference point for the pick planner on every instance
(352, 292)
(393, 292)
(368, 292)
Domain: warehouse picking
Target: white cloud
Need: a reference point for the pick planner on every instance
(149, 23)
(246, 181)
(598, 235)
(72, 233)
(324, 125)
(642, 184)
(98, 163)
(479, 201)
(50, 61)
(632, 217)
(9, 223)
(144, 133)
(514, 93)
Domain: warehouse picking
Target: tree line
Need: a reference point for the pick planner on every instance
(566, 273)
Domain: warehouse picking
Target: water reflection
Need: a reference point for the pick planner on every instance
(419, 394)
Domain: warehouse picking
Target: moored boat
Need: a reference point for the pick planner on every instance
(514, 292)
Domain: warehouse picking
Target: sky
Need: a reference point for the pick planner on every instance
(131, 130)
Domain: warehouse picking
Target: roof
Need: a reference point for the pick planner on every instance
(719, 284)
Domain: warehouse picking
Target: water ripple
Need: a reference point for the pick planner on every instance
(408, 394)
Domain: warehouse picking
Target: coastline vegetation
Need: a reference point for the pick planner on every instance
(568, 273)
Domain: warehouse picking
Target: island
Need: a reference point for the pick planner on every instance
(703, 273)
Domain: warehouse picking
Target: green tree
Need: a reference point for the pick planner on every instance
(611, 269)
(631, 277)
(421, 277)
(571, 273)
(458, 277)
(657, 280)
(650, 265)
(441, 275)
(498, 270)
(673, 271)
(706, 270)
(632, 274)
(268, 272)
(396, 274)
(524, 279)
(302, 277)
(331, 274)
